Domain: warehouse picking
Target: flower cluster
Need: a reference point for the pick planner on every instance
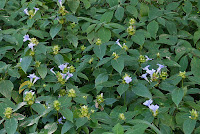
(8, 112)
(153, 108)
(143, 58)
(194, 114)
(98, 42)
(56, 49)
(154, 74)
(33, 42)
(84, 112)
(99, 100)
(66, 72)
(72, 93)
(122, 116)
(131, 29)
(31, 13)
(56, 105)
(116, 56)
(124, 45)
(29, 97)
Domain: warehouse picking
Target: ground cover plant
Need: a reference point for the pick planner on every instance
(99, 66)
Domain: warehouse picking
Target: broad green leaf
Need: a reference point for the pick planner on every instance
(100, 50)
(73, 5)
(187, 7)
(42, 70)
(103, 61)
(104, 34)
(66, 127)
(122, 88)
(11, 125)
(101, 78)
(142, 90)
(152, 28)
(55, 29)
(73, 39)
(107, 16)
(2, 4)
(118, 64)
(86, 3)
(196, 36)
(138, 38)
(132, 9)
(195, 66)
(51, 127)
(188, 126)
(13, 72)
(118, 129)
(171, 27)
(68, 114)
(26, 61)
(110, 101)
(58, 59)
(6, 87)
(81, 121)
(137, 129)
(37, 33)
(39, 108)
(177, 95)
(112, 2)
(119, 13)
(144, 10)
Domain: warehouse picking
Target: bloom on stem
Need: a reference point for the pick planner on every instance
(33, 76)
(154, 109)
(147, 58)
(159, 68)
(148, 102)
(144, 76)
(31, 45)
(117, 42)
(127, 78)
(26, 37)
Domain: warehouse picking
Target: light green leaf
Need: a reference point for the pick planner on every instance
(26, 61)
(55, 29)
(118, 64)
(119, 13)
(73, 5)
(81, 121)
(187, 7)
(42, 70)
(100, 50)
(37, 33)
(138, 38)
(104, 34)
(188, 126)
(68, 114)
(86, 3)
(177, 95)
(112, 2)
(118, 129)
(122, 88)
(6, 87)
(107, 16)
(11, 125)
(152, 28)
(142, 90)
(66, 127)
(196, 36)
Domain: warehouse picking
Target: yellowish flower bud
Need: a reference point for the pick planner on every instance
(142, 59)
(121, 116)
(72, 93)
(132, 21)
(194, 114)
(8, 112)
(37, 64)
(182, 74)
(98, 42)
(56, 105)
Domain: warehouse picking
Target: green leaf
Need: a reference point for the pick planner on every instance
(11, 125)
(51, 127)
(171, 27)
(152, 28)
(118, 64)
(122, 88)
(119, 13)
(177, 95)
(118, 129)
(107, 16)
(142, 90)
(73, 39)
(104, 34)
(86, 3)
(103, 61)
(188, 126)
(58, 59)
(137, 129)
(66, 127)
(100, 50)
(73, 5)
(55, 29)
(187, 7)
(101, 78)
(68, 114)
(39, 108)
(138, 38)
(81, 121)
(13, 72)
(112, 2)
(6, 87)
(110, 101)
(195, 66)
(37, 33)
(26, 61)
(2, 4)
(42, 70)
(132, 9)
(144, 10)
(196, 36)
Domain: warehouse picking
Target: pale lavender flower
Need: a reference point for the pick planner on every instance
(63, 66)
(69, 75)
(147, 58)
(154, 108)
(146, 68)
(144, 76)
(36, 78)
(117, 42)
(151, 72)
(31, 45)
(63, 75)
(64, 117)
(148, 102)
(26, 37)
(36, 9)
(60, 2)
(32, 76)
(159, 68)
(52, 70)
(20, 60)
(60, 120)
(29, 92)
(26, 11)
(127, 79)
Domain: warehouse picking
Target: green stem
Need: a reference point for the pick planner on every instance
(31, 110)
(57, 116)
(182, 83)
(125, 99)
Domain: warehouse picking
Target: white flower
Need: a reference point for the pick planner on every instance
(60, 120)
(31, 45)
(147, 58)
(29, 92)
(69, 75)
(36, 9)
(60, 2)
(26, 11)
(20, 60)
(63, 75)
(159, 68)
(117, 42)
(144, 76)
(33, 76)
(64, 117)
(52, 71)
(146, 68)
(63, 66)
(36, 78)
(127, 79)
(154, 108)
(26, 37)
(151, 72)
(148, 102)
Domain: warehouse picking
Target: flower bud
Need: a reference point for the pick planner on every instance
(131, 30)
(182, 74)
(121, 116)
(56, 105)
(132, 21)
(8, 112)
(72, 69)
(194, 114)
(34, 41)
(37, 64)
(163, 75)
(142, 59)
(62, 92)
(72, 93)
(98, 42)
(32, 53)
(99, 98)
(83, 47)
(116, 56)
(56, 49)
(91, 60)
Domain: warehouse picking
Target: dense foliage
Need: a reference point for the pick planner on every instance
(99, 66)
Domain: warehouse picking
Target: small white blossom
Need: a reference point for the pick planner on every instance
(31, 45)
(144, 76)
(29, 92)
(117, 42)
(127, 79)
(33, 76)
(147, 58)
(52, 71)
(159, 68)
(26, 11)
(154, 108)
(69, 75)
(148, 102)
(26, 37)
(36, 78)
(20, 60)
